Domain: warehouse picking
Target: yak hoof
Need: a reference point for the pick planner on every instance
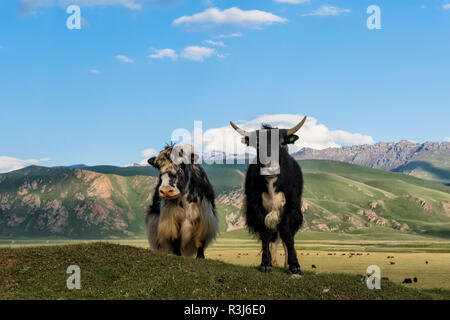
(296, 271)
(265, 269)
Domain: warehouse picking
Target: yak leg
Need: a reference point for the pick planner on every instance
(266, 263)
(292, 261)
(285, 255)
(201, 251)
(288, 238)
(176, 245)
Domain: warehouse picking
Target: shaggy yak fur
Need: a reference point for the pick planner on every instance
(182, 218)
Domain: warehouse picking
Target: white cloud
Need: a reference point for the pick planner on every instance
(312, 135)
(124, 59)
(446, 6)
(447, 139)
(146, 154)
(195, 53)
(292, 1)
(231, 35)
(423, 6)
(327, 11)
(215, 43)
(233, 16)
(94, 71)
(163, 53)
(10, 164)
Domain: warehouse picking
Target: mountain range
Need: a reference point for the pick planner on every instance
(429, 160)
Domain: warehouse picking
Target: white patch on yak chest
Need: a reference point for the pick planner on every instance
(274, 203)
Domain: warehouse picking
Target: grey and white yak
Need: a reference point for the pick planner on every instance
(182, 219)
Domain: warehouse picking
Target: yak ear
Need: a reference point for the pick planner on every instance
(151, 162)
(291, 139)
(188, 155)
(246, 140)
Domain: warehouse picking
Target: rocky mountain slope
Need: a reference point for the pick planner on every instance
(38, 201)
(429, 160)
(107, 201)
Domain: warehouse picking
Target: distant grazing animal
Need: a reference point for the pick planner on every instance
(182, 218)
(407, 280)
(392, 262)
(273, 192)
(313, 266)
(415, 279)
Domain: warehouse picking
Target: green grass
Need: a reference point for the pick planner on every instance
(111, 271)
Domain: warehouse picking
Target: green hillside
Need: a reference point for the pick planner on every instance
(340, 199)
(122, 272)
(352, 198)
(41, 202)
(429, 165)
(428, 170)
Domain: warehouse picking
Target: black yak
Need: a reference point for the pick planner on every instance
(273, 192)
(182, 217)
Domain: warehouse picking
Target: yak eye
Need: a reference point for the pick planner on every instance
(291, 139)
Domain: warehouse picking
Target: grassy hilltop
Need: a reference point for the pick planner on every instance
(122, 272)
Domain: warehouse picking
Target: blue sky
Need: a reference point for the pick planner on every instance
(95, 96)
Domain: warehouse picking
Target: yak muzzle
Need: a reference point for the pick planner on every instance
(169, 193)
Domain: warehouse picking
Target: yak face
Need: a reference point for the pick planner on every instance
(171, 163)
(268, 143)
(267, 137)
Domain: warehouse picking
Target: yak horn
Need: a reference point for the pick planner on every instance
(297, 127)
(239, 130)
